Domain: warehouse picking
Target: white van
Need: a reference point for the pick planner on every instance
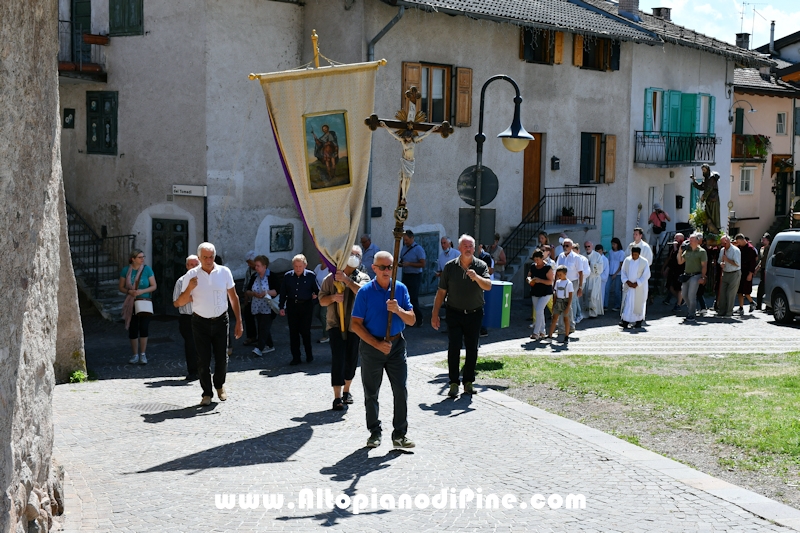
(782, 289)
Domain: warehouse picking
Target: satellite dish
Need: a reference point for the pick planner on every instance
(467, 185)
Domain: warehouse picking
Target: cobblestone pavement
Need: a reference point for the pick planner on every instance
(140, 455)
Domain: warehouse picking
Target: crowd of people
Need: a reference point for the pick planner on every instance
(354, 304)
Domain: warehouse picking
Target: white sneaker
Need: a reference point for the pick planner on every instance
(142, 359)
(134, 360)
(257, 352)
(268, 349)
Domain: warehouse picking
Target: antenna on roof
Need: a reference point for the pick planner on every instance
(741, 17)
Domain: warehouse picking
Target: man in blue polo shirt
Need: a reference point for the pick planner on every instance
(378, 353)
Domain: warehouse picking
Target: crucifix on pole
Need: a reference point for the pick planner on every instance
(407, 128)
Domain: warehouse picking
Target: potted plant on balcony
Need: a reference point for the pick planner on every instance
(756, 146)
(567, 216)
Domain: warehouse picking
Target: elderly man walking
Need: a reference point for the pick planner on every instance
(185, 321)
(461, 285)
(344, 351)
(298, 293)
(371, 312)
(635, 273)
(730, 260)
(369, 249)
(206, 287)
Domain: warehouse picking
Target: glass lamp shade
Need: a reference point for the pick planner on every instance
(516, 144)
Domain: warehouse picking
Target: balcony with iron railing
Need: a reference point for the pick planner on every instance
(749, 148)
(673, 149)
(80, 53)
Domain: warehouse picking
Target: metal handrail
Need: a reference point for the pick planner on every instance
(526, 231)
(672, 147)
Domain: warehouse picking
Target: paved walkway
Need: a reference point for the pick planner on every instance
(141, 456)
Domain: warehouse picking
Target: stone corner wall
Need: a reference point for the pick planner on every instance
(31, 196)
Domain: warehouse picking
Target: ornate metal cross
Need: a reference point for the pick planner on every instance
(407, 127)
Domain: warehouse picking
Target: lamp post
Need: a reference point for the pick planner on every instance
(730, 109)
(515, 139)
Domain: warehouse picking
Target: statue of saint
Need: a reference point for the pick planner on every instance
(710, 188)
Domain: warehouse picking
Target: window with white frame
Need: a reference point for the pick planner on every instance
(780, 127)
(746, 180)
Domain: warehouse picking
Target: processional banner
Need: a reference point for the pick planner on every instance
(317, 119)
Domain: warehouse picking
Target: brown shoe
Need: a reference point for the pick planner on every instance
(206, 400)
(221, 394)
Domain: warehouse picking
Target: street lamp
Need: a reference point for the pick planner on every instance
(730, 109)
(515, 139)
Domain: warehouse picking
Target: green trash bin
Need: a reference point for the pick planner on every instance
(497, 309)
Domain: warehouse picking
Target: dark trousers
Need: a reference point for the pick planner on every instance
(264, 322)
(185, 327)
(412, 282)
(464, 329)
(299, 316)
(139, 326)
(373, 363)
(249, 322)
(761, 286)
(211, 338)
(344, 356)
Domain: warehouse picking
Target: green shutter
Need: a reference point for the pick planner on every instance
(674, 121)
(587, 144)
(689, 113)
(648, 110)
(101, 122)
(125, 17)
(712, 109)
(738, 127)
(665, 111)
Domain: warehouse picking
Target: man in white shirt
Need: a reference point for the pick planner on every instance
(574, 264)
(206, 287)
(647, 252)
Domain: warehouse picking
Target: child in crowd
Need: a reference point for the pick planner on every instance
(563, 300)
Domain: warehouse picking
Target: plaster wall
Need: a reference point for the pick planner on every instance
(33, 226)
(761, 202)
(246, 183)
(160, 79)
(560, 101)
(689, 71)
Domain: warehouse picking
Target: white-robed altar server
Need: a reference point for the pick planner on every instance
(635, 273)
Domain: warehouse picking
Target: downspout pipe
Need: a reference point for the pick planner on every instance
(371, 57)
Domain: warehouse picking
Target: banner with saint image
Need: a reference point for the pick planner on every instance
(317, 119)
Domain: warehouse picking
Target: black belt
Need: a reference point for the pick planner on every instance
(297, 302)
(464, 311)
(393, 337)
(215, 318)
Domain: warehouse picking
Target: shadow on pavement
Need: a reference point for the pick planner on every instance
(184, 412)
(450, 407)
(275, 447)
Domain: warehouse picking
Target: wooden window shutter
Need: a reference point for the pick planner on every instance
(463, 97)
(412, 77)
(559, 48)
(577, 50)
(611, 158)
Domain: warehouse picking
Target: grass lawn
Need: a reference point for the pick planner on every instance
(749, 401)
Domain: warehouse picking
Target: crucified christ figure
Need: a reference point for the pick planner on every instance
(408, 138)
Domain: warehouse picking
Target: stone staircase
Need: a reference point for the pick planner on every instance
(97, 262)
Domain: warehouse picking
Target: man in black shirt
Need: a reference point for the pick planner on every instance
(299, 291)
(462, 283)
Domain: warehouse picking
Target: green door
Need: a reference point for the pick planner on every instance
(170, 248)
(607, 229)
(81, 23)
